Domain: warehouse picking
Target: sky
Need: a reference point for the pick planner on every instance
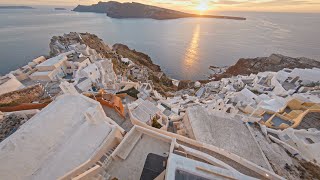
(200, 6)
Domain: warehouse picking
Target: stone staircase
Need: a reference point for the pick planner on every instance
(103, 162)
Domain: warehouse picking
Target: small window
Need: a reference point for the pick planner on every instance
(309, 141)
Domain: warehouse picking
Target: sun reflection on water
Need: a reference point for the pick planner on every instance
(192, 52)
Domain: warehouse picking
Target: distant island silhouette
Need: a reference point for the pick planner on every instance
(118, 10)
(60, 9)
(16, 7)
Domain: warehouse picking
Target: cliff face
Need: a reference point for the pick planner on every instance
(162, 84)
(275, 62)
(137, 57)
(137, 10)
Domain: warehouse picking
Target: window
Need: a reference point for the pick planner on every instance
(153, 166)
(309, 140)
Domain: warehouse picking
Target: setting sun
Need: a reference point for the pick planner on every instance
(203, 6)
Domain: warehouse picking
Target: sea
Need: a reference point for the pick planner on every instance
(184, 48)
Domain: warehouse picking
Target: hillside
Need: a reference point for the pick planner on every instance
(137, 10)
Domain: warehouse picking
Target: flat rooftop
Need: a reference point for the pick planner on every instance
(229, 134)
(54, 60)
(4, 79)
(55, 141)
(42, 73)
(144, 110)
(79, 59)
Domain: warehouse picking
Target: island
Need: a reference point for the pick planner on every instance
(60, 9)
(16, 7)
(118, 10)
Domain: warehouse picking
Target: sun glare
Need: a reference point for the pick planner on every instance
(202, 7)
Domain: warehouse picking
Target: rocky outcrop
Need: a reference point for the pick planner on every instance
(59, 44)
(137, 10)
(161, 82)
(274, 63)
(137, 57)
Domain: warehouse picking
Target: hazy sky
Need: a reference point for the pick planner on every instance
(207, 6)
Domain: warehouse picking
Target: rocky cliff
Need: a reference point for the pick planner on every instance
(137, 57)
(161, 81)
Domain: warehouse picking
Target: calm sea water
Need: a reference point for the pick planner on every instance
(184, 48)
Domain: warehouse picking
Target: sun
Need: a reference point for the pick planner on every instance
(202, 7)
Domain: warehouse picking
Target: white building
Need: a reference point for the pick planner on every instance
(223, 132)
(84, 84)
(51, 69)
(39, 60)
(127, 61)
(86, 51)
(305, 142)
(53, 63)
(92, 72)
(143, 112)
(65, 135)
(9, 83)
(108, 76)
(75, 64)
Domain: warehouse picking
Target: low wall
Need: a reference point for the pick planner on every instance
(25, 106)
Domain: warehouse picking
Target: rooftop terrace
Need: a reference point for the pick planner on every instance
(55, 141)
(52, 61)
(229, 134)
